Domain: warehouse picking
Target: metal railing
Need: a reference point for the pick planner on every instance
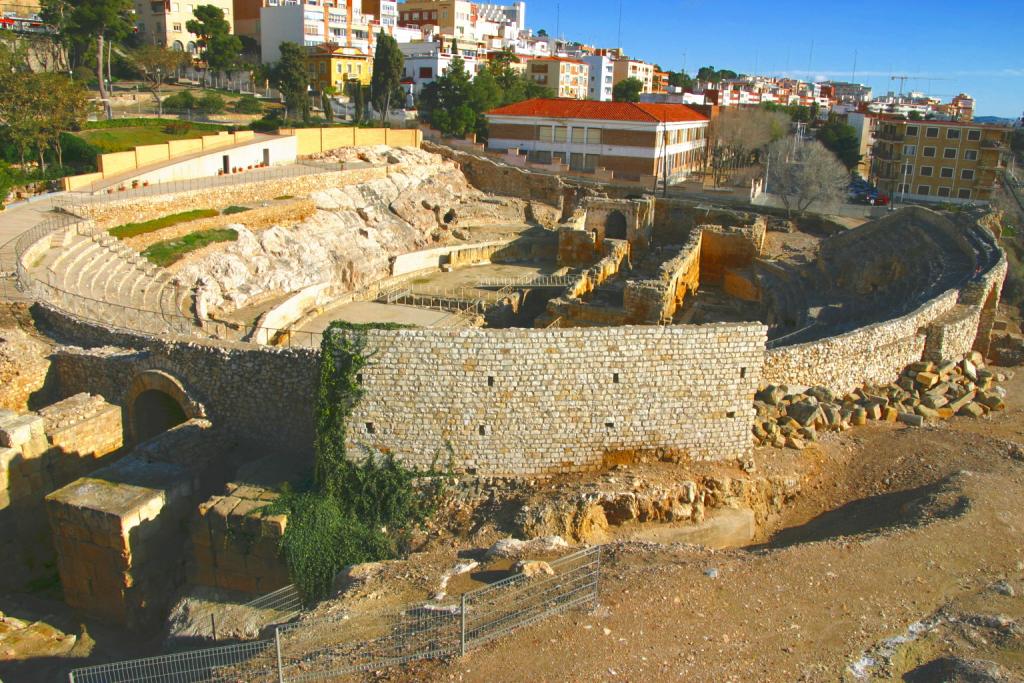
(559, 281)
(101, 191)
(348, 643)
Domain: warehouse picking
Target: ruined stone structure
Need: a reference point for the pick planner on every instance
(611, 369)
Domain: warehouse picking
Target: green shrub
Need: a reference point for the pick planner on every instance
(167, 252)
(78, 152)
(268, 124)
(132, 229)
(248, 104)
(211, 103)
(234, 209)
(182, 101)
(148, 123)
(351, 512)
(283, 197)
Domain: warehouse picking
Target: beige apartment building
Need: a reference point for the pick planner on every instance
(163, 23)
(936, 160)
(632, 68)
(567, 78)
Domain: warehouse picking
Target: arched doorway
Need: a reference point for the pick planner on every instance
(153, 413)
(616, 226)
(156, 402)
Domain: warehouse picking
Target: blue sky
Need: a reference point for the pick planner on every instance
(978, 45)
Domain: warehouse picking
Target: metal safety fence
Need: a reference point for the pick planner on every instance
(348, 643)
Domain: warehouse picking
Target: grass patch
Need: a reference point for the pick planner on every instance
(121, 138)
(132, 229)
(234, 209)
(283, 197)
(170, 251)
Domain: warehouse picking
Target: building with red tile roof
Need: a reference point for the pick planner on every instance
(634, 140)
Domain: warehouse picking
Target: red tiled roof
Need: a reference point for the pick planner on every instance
(601, 111)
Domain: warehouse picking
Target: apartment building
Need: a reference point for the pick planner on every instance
(311, 23)
(385, 12)
(635, 141)
(333, 66)
(163, 23)
(601, 78)
(466, 20)
(937, 160)
(425, 62)
(633, 68)
(660, 82)
(567, 78)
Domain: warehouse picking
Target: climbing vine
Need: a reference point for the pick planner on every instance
(351, 511)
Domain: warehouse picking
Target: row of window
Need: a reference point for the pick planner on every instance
(944, 172)
(947, 153)
(580, 136)
(933, 132)
(927, 190)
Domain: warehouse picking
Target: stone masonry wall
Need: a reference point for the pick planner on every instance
(236, 547)
(656, 301)
(530, 402)
(875, 354)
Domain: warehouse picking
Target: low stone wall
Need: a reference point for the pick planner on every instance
(875, 354)
(235, 546)
(653, 302)
(39, 453)
(501, 179)
(120, 532)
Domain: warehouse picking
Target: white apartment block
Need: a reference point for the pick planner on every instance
(602, 77)
(163, 23)
(425, 62)
(304, 23)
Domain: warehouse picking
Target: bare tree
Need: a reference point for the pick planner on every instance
(805, 173)
(737, 136)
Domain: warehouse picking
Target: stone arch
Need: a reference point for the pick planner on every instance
(156, 402)
(616, 227)
(177, 46)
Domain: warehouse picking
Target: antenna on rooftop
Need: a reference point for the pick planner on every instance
(619, 41)
(853, 76)
(810, 60)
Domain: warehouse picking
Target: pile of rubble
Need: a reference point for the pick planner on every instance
(926, 391)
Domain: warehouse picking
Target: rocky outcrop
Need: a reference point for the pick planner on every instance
(352, 236)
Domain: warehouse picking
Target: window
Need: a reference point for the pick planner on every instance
(908, 169)
(539, 157)
(911, 132)
(544, 133)
(946, 172)
(964, 194)
(176, 27)
(970, 154)
(582, 162)
(944, 192)
(923, 189)
(578, 135)
(929, 151)
(561, 133)
(426, 72)
(910, 150)
(593, 136)
(949, 153)
(952, 133)
(902, 188)
(931, 132)
(927, 171)
(974, 135)
(967, 174)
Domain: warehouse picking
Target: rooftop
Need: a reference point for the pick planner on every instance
(601, 111)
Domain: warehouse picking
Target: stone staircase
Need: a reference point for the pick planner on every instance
(100, 278)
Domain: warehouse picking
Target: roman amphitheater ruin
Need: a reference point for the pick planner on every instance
(547, 327)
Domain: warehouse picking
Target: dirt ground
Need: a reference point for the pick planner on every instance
(902, 525)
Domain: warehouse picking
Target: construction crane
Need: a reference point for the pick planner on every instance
(903, 81)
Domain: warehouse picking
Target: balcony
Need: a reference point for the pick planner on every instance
(990, 143)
